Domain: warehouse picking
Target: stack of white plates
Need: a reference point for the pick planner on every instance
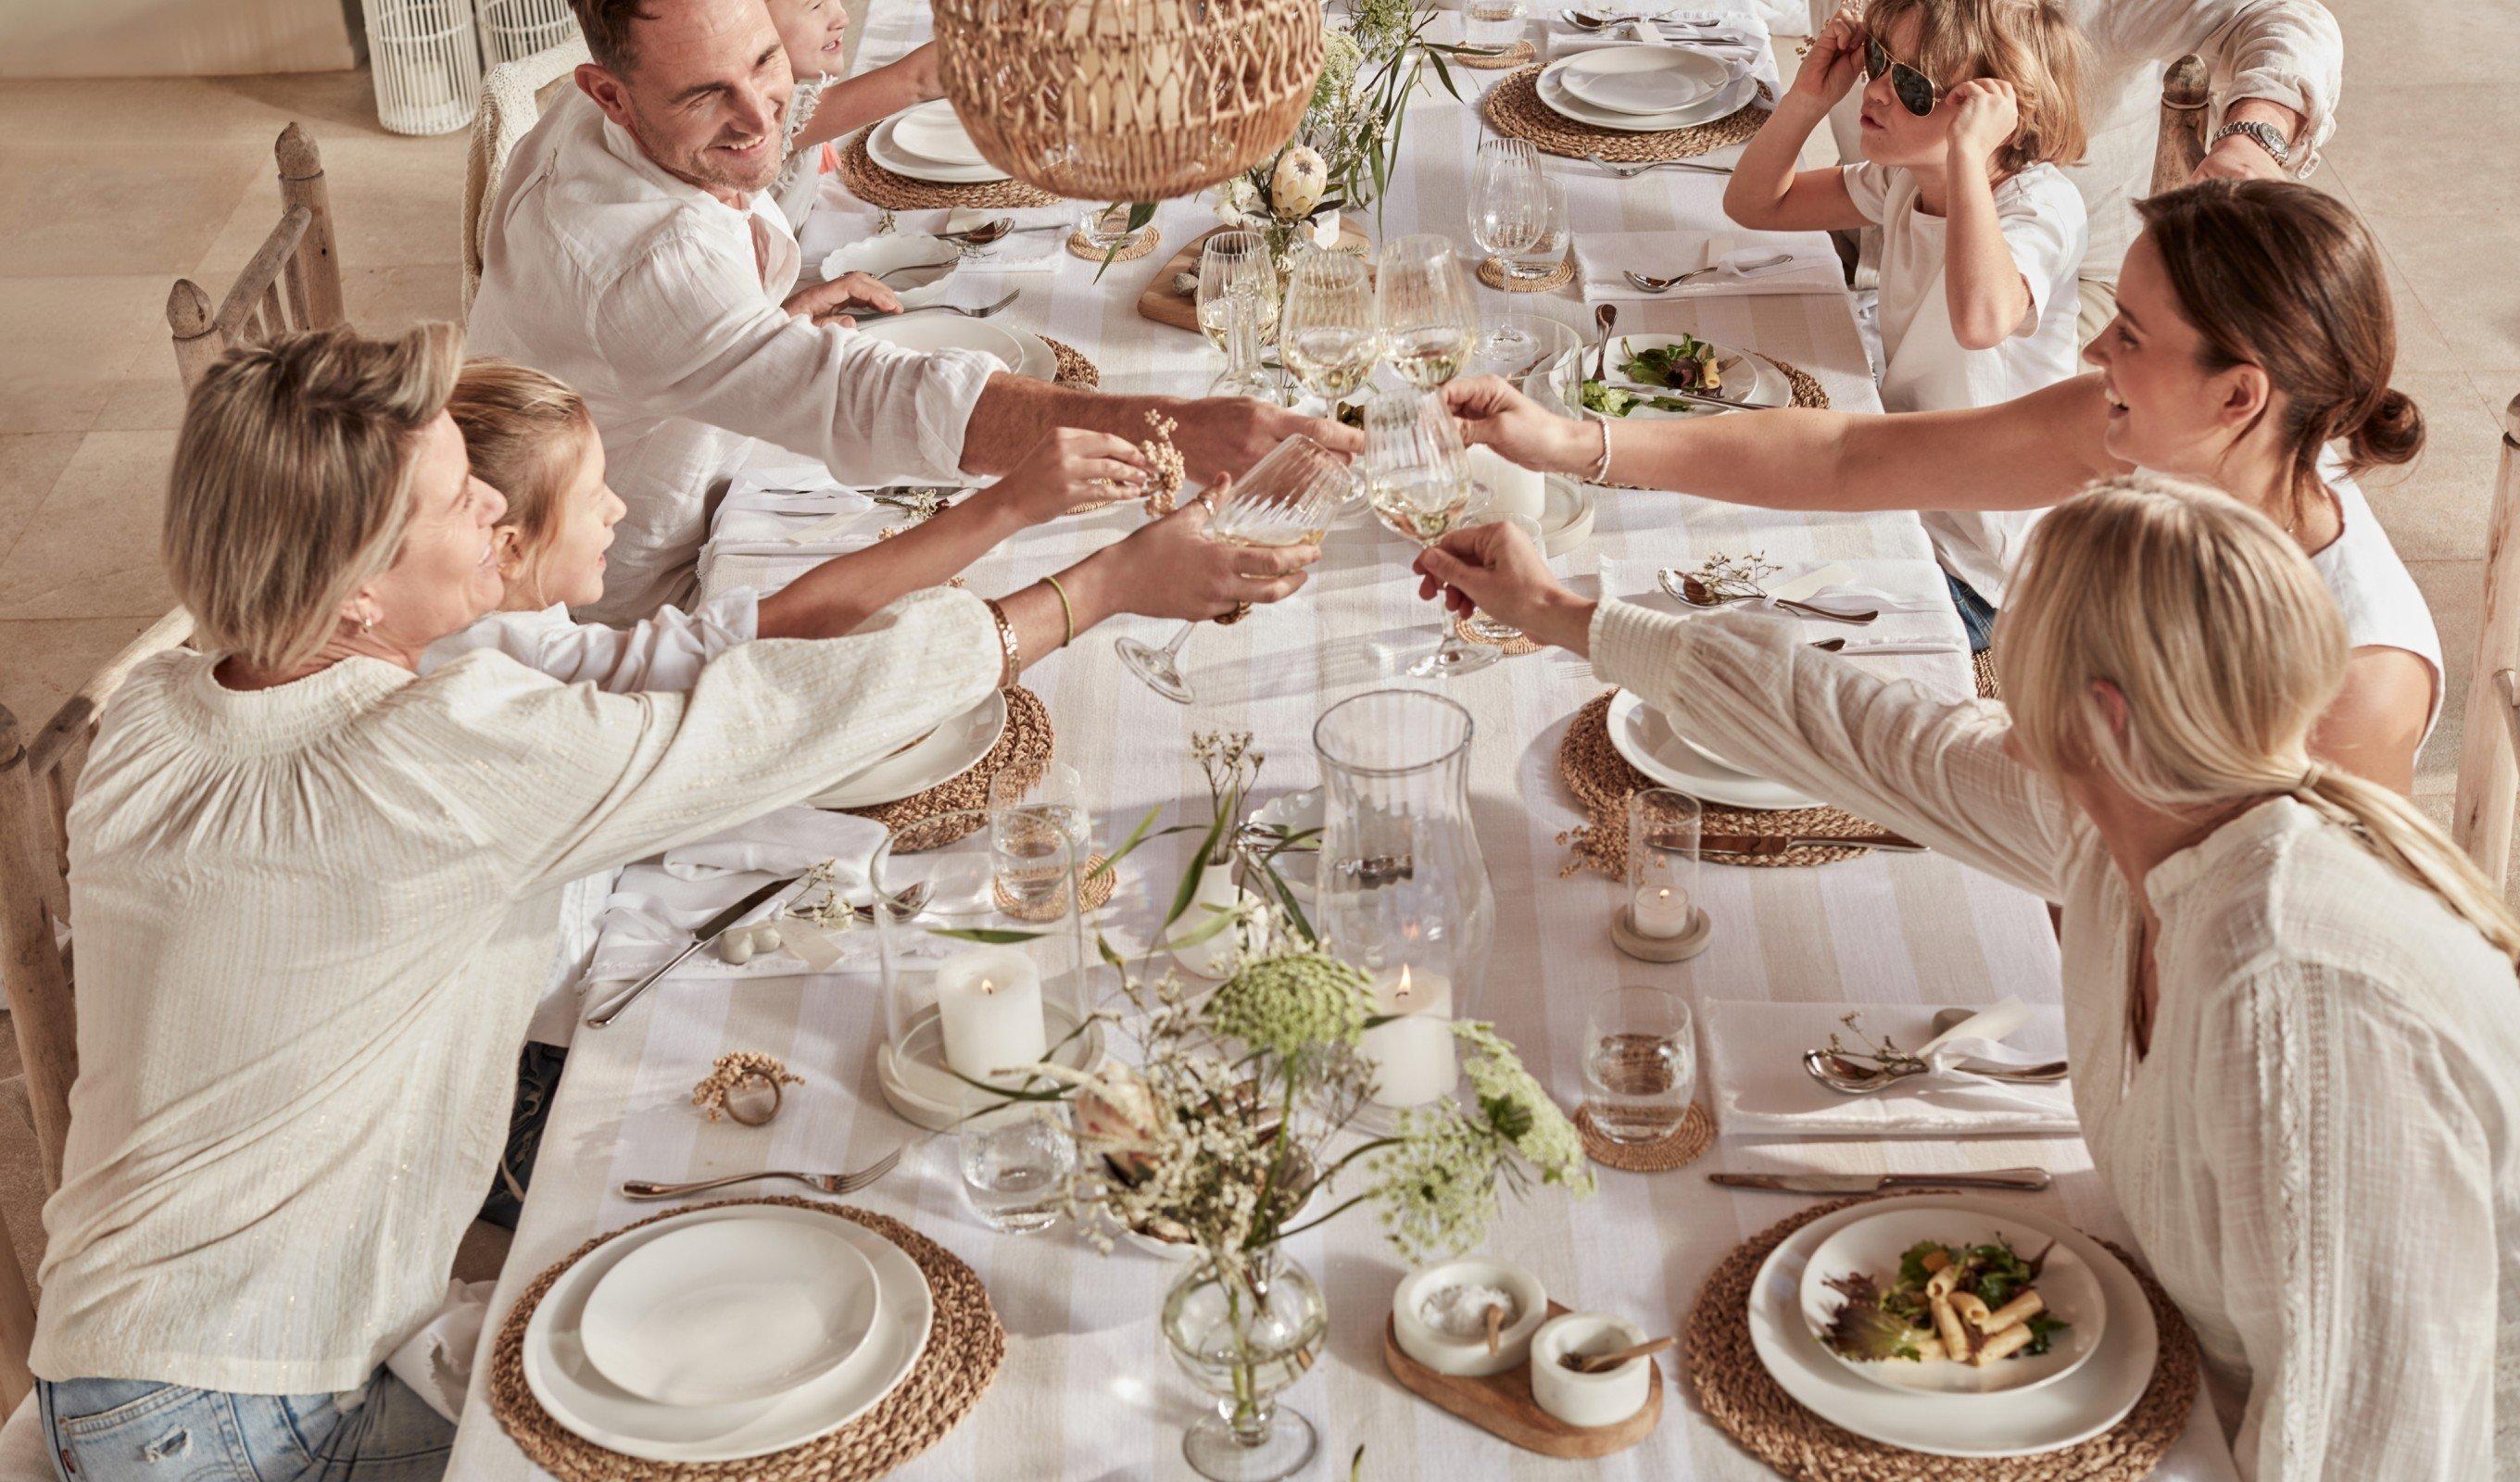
(930, 143)
(1650, 744)
(1644, 89)
(727, 1333)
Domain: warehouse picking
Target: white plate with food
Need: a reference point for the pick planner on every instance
(2076, 1408)
(885, 149)
(948, 751)
(730, 1311)
(1645, 738)
(918, 265)
(1643, 80)
(578, 1395)
(934, 131)
(946, 331)
(1953, 1302)
(1721, 103)
(1685, 363)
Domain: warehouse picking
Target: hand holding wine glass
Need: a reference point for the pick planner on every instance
(1417, 479)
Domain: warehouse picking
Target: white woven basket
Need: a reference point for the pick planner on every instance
(426, 66)
(516, 28)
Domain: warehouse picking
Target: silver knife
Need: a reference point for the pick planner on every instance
(1639, 389)
(709, 931)
(1881, 1182)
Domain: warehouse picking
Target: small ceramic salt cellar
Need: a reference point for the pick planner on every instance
(1581, 1399)
(1440, 1314)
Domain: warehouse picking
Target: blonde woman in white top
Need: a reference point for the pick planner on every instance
(314, 896)
(2291, 1002)
(2254, 329)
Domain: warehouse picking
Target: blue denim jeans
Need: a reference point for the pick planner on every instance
(133, 1430)
(1977, 614)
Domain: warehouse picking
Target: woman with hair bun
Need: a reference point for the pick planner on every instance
(2253, 330)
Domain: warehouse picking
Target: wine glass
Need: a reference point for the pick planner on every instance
(1286, 499)
(1506, 206)
(1325, 328)
(1421, 304)
(1417, 479)
(1493, 631)
(1544, 247)
(1238, 289)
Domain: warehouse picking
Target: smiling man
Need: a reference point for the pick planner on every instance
(634, 253)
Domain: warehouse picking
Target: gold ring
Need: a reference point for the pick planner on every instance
(1241, 610)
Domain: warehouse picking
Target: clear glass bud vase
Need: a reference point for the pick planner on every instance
(1242, 1333)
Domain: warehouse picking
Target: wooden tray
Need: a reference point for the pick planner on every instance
(1502, 1404)
(1164, 306)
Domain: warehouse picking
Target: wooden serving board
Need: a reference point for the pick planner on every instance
(1180, 310)
(1502, 1404)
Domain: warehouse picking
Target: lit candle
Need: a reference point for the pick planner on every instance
(1412, 1056)
(989, 1000)
(1662, 910)
(1512, 488)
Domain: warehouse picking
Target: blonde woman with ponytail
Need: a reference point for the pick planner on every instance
(2290, 1004)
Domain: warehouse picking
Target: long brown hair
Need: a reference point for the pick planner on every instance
(2277, 274)
(2028, 43)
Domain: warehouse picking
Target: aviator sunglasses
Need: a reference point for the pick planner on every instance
(1915, 90)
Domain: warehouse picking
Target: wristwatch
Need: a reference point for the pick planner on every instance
(2264, 135)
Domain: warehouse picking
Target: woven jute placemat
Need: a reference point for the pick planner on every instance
(1601, 779)
(1095, 894)
(1514, 109)
(1512, 648)
(1492, 272)
(1146, 241)
(1074, 370)
(1021, 752)
(877, 186)
(965, 1348)
(1517, 55)
(1679, 1147)
(1740, 1397)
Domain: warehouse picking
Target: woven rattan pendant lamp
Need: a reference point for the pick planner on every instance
(1128, 100)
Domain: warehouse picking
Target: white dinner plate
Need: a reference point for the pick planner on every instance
(884, 149)
(946, 331)
(1721, 103)
(1640, 734)
(1749, 380)
(730, 1311)
(2075, 1408)
(934, 131)
(1645, 81)
(577, 1395)
(950, 750)
(2066, 1287)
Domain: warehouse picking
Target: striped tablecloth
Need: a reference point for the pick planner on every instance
(1087, 1390)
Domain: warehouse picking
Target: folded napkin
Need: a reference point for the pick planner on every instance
(1887, 586)
(654, 908)
(437, 1360)
(1756, 1078)
(1605, 258)
(786, 841)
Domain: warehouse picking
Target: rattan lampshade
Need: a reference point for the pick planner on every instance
(1128, 100)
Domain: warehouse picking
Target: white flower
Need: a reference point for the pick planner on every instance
(1238, 202)
(1296, 186)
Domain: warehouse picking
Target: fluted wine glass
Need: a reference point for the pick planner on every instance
(1326, 331)
(1422, 306)
(1238, 296)
(1417, 479)
(1507, 211)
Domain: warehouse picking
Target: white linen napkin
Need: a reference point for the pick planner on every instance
(1758, 1085)
(1605, 258)
(437, 1360)
(653, 915)
(783, 841)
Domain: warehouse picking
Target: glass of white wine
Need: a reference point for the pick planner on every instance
(1417, 479)
(1421, 304)
(1237, 296)
(1325, 331)
(1285, 498)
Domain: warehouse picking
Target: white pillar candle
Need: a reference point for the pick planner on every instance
(1412, 1056)
(989, 1000)
(1662, 910)
(1512, 488)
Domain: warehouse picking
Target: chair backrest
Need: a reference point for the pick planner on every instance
(514, 96)
(2489, 752)
(2181, 148)
(293, 282)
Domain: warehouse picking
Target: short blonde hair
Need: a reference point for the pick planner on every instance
(2028, 43)
(291, 485)
(518, 427)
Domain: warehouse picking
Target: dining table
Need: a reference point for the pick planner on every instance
(1088, 1391)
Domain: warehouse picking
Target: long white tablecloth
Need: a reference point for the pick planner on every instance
(1087, 1390)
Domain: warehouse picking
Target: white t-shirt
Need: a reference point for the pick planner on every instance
(2383, 607)
(1923, 368)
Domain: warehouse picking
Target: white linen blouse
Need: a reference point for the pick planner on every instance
(312, 923)
(2320, 1156)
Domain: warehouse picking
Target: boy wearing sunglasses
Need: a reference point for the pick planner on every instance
(1969, 107)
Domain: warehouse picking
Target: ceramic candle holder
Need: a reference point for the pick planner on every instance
(1589, 1399)
(1468, 1357)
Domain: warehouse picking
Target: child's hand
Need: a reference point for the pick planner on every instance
(1836, 60)
(1985, 112)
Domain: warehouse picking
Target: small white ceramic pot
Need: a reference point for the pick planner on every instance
(1468, 1357)
(1589, 1399)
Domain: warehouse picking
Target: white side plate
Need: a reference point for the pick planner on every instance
(1724, 102)
(730, 1311)
(1645, 81)
(1643, 735)
(950, 750)
(888, 152)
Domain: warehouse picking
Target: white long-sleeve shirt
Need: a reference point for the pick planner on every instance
(2320, 1155)
(312, 920)
(661, 304)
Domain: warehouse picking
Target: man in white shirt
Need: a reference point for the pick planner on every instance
(634, 253)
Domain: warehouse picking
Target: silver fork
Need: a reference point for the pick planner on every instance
(827, 1183)
(1653, 284)
(983, 312)
(1632, 171)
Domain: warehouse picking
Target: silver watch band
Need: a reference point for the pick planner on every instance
(2262, 135)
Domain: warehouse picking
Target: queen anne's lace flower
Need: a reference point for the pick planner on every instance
(1519, 1110)
(1436, 1184)
(1289, 1004)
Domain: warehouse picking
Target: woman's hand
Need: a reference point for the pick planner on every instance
(1985, 114)
(830, 303)
(1834, 62)
(1069, 467)
(1496, 568)
(1170, 569)
(1494, 414)
(1218, 436)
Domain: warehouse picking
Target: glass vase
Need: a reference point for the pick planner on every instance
(1242, 1333)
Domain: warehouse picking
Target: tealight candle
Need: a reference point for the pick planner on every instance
(1512, 489)
(1662, 910)
(989, 1004)
(1412, 1056)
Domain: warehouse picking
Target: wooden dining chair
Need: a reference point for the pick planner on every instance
(2181, 146)
(293, 281)
(2489, 751)
(514, 96)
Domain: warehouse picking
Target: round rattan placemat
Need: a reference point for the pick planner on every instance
(1074, 370)
(1601, 779)
(1517, 55)
(1513, 108)
(1021, 752)
(877, 186)
(1739, 1396)
(1679, 1147)
(965, 1348)
(1492, 273)
(1512, 648)
(1146, 241)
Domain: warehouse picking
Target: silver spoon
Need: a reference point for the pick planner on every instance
(1605, 318)
(913, 267)
(990, 231)
(1697, 594)
(1849, 1078)
(1632, 171)
(1587, 20)
(1653, 284)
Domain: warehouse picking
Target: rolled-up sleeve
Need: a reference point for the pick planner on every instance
(2287, 51)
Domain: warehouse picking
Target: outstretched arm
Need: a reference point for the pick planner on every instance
(853, 102)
